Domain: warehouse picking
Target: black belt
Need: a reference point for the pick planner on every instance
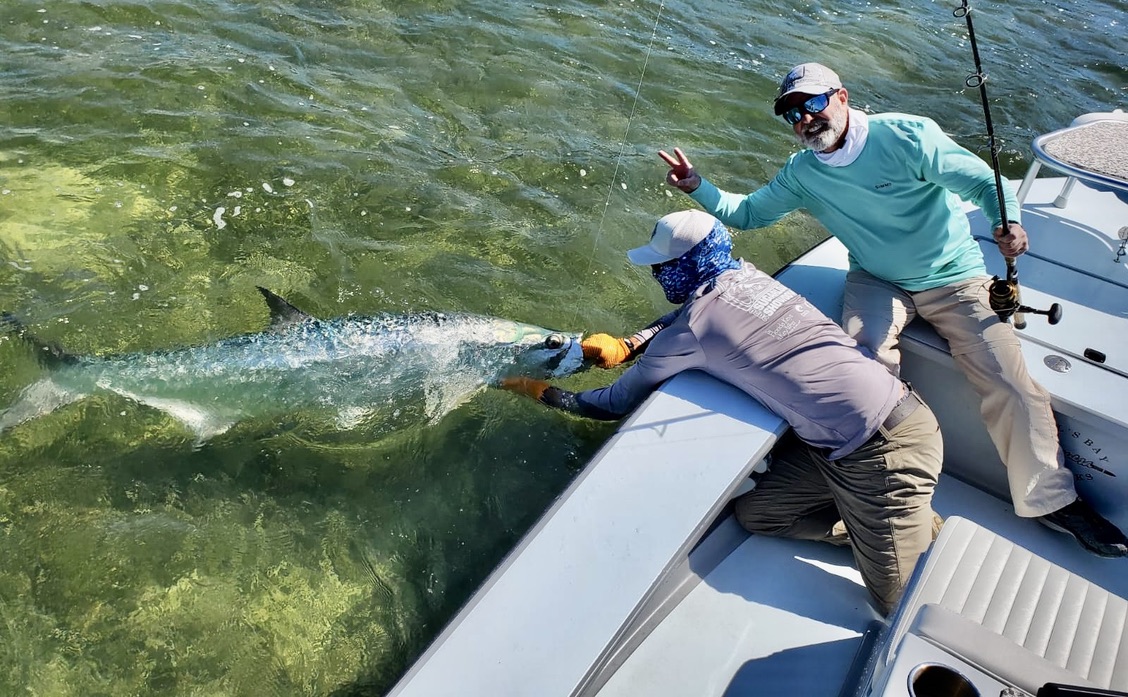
(902, 409)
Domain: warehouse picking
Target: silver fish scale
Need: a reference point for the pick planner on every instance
(392, 362)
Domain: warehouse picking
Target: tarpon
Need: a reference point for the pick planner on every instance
(416, 364)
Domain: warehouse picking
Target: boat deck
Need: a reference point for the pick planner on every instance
(789, 616)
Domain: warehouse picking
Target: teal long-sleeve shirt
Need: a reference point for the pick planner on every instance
(896, 207)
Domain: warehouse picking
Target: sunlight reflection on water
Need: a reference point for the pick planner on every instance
(161, 159)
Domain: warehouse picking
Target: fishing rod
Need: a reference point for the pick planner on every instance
(1004, 294)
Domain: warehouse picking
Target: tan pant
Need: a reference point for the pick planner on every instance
(1015, 409)
(882, 492)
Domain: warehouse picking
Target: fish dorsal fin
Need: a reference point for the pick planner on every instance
(48, 353)
(282, 313)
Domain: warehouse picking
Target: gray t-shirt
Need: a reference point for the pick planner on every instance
(751, 331)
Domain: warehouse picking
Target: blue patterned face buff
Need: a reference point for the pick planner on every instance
(707, 260)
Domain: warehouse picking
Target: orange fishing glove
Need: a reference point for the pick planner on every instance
(525, 386)
(607, 351)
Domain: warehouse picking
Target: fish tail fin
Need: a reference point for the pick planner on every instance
(48, 353)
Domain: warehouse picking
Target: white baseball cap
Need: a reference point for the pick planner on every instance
(673, 236)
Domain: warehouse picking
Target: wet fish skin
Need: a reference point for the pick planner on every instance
(353, 365)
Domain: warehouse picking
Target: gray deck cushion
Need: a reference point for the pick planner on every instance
(996, 587)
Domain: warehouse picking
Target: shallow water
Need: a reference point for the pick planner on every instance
(159, 159)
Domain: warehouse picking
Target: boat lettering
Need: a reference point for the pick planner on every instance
(1078, 459)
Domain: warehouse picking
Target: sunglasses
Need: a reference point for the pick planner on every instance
(814, 105)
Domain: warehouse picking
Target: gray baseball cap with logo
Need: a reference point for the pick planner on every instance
(807, 78)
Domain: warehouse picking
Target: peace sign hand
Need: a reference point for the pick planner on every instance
(682, 175)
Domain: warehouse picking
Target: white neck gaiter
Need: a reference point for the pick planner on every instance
(855, 140)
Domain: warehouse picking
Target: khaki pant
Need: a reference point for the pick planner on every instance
(1015, 409)
(882, 492)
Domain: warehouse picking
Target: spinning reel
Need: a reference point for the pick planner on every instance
(1005, 301)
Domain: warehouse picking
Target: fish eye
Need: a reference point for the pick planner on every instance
(554, 341)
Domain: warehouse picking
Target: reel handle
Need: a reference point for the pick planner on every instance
(1053, 315)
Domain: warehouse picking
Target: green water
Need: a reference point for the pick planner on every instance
(487, 157)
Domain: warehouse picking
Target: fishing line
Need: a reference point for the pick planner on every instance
(623, 145)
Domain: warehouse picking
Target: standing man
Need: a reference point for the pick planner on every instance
(865, 452)
(886, 186)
